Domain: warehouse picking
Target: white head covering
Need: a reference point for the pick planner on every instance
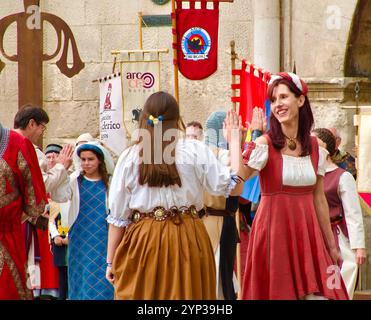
(85, 137)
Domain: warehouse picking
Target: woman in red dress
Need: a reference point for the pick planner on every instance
(291, 252)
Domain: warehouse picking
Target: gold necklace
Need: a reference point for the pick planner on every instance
(291, 143)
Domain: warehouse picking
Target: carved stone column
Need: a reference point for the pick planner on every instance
(267, 34)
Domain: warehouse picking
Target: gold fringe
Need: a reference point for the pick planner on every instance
(364, 206)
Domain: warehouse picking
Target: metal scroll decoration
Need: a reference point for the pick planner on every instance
(30, 54)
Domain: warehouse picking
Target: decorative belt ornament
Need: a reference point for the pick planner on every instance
(161, 214)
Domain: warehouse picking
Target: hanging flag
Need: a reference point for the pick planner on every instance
(364, 159)
(253, 88)
(140, 78)
(112, 131)
(197, 39)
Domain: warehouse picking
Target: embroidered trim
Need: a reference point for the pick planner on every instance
(32, 209)
(5, 258)
(235, 179)
(4, 140)
(117, 222)
(247, 153)
(7, 177)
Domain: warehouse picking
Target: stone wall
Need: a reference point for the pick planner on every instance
(102, 26)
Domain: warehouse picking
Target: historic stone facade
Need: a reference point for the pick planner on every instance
(327, 41)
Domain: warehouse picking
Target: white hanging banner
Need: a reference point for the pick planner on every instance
(364, 154)
(112, 129)
(140, 79)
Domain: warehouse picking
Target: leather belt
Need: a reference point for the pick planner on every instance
(219, 213)
(161, 214)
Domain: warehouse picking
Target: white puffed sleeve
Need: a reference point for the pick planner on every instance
(119, 192)
(352, 210)
(256, 155)
(322, 161)
(216, 178)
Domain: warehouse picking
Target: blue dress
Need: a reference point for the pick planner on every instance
(87, 249)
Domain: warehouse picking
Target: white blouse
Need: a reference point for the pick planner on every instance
(352, 209)
(198, 169)
(297, 171)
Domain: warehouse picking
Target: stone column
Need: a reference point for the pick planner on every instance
(267, 34)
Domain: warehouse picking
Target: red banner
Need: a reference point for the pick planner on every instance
(197, 39)
(253, 90)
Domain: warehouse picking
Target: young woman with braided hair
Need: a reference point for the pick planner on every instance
(345, 212)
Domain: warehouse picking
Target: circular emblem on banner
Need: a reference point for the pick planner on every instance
(160, 2)
(196, 44)
(148, 80)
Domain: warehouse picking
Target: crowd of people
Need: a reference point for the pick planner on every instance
(160, 224)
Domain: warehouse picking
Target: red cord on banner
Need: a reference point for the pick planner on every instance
(235, 86)
(235, 99)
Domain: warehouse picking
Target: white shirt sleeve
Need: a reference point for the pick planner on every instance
(119, 193)
(54, 178)
(322, 161)
(352, 210)
(217, 179)
(53, 229)
(258, 157)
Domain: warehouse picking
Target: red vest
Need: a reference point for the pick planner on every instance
(331, 185)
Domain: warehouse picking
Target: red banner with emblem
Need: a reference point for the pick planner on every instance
(197, 39)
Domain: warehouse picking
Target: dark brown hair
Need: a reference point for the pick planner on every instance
(28, 112)
(163, 174)
(194, 124)
(327, 137)
(102, 169)
(306, 120)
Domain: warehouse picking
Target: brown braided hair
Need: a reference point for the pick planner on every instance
(327, 137)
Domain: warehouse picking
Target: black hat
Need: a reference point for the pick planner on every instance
(56, 148)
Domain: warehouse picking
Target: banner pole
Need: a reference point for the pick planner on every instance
(234, 106)
(175, 53)
(233, 62)
(140, 31)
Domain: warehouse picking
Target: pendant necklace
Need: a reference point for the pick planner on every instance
(291, 143)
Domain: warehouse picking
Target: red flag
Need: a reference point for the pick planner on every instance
(253, 90)
(197, 39)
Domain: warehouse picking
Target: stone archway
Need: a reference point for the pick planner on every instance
(358, 56)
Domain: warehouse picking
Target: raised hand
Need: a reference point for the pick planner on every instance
(65, 156)
(258, 121)
(232, 126)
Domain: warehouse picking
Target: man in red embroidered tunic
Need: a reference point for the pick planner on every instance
(21, 190)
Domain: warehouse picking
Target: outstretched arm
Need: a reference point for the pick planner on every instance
(233, 128)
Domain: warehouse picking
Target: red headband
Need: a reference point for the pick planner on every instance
(292, 77)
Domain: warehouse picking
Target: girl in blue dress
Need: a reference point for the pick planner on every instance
(88, 228)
